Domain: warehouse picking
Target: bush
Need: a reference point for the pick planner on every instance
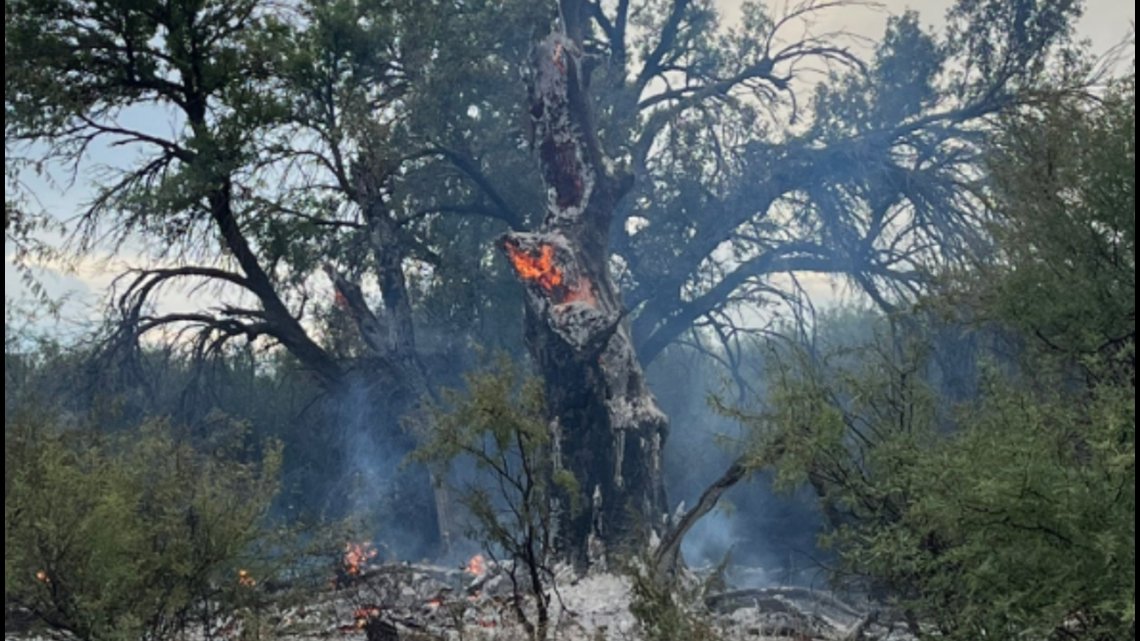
(1010, 515)
(667, 610)
(131, 535)
(1017, 523)
(498, 424)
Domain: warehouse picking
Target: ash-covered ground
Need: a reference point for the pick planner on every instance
(479, 602)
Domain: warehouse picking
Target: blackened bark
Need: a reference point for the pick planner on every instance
(396, 348)
(606, 425)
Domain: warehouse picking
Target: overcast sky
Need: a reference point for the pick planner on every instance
(1105, 23)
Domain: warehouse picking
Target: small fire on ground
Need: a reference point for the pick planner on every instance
(365, 614)
(477, 565)
(355, 556)
(539, 268)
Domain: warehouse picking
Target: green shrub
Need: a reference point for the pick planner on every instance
(498, 423)
(131, 535)
(665, 609)
(1017, 524)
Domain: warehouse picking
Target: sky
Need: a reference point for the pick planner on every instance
(84, 285)
(1105, 22)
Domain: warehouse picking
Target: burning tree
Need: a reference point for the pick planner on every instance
(377, 139)
(606, 426)
(890, 127)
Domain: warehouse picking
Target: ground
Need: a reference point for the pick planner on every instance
(434, 603)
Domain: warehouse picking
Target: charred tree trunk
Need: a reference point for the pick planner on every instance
(607, 428)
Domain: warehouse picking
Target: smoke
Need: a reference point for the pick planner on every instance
(711, 539)
(769, 537)
(377, 483)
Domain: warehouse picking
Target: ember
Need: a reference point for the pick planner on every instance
(477, 566)
(541, 270)
(365, 614)
(355, 556)
(245, 580)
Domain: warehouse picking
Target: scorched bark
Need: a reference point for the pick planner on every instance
(608, 431)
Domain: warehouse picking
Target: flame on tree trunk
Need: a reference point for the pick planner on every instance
(607, 428)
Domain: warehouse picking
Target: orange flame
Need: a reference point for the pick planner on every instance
(356, 555)
(365, 614)
(541, 270)
(245, 580)
(42, 576)
(477, 565)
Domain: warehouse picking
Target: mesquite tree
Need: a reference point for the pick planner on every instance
(607, 426)
(380, 144)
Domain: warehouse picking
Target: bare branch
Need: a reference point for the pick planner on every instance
(667, 556)
(668, 36)
(470, 167)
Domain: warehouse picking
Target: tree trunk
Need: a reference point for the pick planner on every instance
(400, 379)
(607, 428)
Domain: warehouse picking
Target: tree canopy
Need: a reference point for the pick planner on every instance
(338, 172)
(384, 140)
(1011, 512)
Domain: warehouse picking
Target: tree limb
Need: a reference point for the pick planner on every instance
(667, 555)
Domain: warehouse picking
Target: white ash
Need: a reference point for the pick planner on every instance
(432, 603)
